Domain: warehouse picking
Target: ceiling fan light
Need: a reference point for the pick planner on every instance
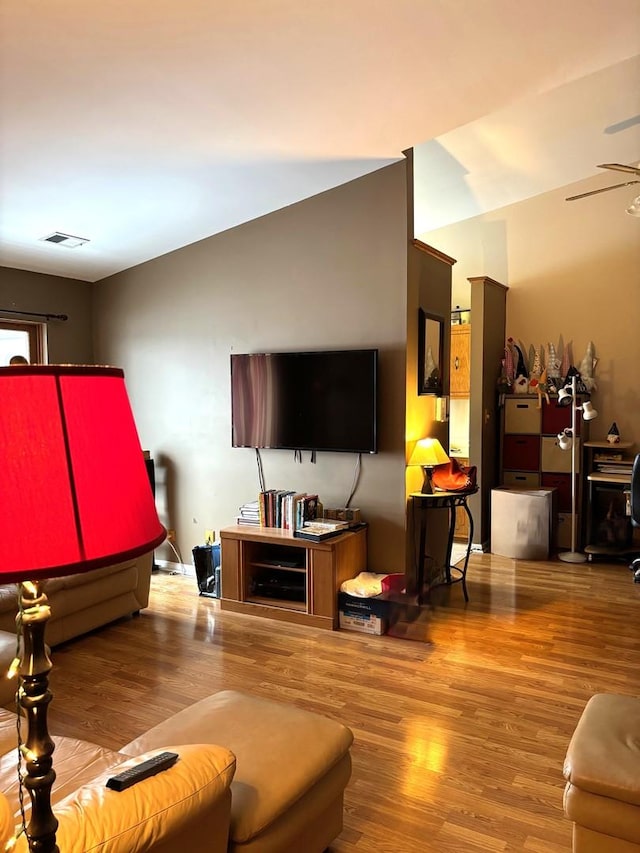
(634, 207)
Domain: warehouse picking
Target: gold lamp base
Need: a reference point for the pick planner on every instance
(34, 697)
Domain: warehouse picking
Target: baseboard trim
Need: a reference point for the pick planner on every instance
(176, 568)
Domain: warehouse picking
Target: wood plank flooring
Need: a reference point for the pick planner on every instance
(459, 742)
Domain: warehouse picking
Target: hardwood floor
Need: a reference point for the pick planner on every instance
(459, 743)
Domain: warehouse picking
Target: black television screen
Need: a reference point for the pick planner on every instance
(324, 400)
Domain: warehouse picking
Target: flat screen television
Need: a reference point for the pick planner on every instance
(323, 400)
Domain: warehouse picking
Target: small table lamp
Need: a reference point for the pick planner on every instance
(75, 496)
(428, 453)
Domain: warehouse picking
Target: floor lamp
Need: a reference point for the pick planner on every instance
(75, 497)
(568, 440)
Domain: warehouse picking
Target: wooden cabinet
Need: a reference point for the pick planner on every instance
(531, 457)
(461, 529)
(460, 364)
(266, 571)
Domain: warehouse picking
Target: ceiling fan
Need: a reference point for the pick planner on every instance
(634, 208)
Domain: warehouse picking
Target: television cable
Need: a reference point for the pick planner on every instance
(356, 478)
(260, 470)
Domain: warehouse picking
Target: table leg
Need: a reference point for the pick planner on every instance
(452, 526)
(466, 558)
(421, 555)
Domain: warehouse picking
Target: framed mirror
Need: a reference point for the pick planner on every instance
(430, 353)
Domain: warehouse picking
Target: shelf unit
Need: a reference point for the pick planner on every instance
(531, 457)
(268, 572)
(608, 528)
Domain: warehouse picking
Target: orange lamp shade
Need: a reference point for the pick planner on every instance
(75, 494)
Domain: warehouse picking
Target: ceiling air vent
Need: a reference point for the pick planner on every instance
(67, 240)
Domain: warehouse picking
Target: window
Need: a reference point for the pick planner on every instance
(22, 338)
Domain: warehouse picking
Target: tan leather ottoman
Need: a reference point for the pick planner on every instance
(602, 769)
(292, 767)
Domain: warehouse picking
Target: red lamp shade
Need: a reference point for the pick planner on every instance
(74, 489)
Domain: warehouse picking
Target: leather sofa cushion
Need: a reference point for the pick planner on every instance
(51, 586)
(602, 814)
(263, 735)
(8, 732)
(157, 813)
(75, 762)
(603, 756)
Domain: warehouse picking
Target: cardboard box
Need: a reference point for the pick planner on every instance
(366, 615)
(522, 522)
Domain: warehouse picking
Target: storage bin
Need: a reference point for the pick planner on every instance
(554, 459)
(521, 452)
(555, 418)
(562, 484)
(562, 538)
(521, 479)
(522, 416)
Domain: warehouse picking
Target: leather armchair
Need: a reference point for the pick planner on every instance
(190, 800)
(272, 783)
(602, 769)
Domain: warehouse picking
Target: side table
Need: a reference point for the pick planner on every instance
(421, 504)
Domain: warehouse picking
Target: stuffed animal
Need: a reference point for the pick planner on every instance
(587, 366)
(539, 386)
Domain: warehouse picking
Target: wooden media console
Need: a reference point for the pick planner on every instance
(268, 572)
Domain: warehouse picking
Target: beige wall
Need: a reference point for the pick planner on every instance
(573, 269)
(69, 341)
(327, 273)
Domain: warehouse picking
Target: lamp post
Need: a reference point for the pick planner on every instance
(567, 396)
(75, 497)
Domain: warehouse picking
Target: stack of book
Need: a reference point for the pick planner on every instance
(615, 468)
(612, 463)
(321, 528)
(249, 514)
(608, 456)
(285, 509)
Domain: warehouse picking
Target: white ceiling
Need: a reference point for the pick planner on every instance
(149, 124)
(538, 144)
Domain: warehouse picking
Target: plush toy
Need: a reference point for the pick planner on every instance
(553, 363)
(509, 367)
(504, 386)
(540, 387)
(613, 435)
(565, 367)
(521, 385)
(587, 366)
(521, 382)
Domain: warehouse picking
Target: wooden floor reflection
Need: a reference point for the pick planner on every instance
(459, 742)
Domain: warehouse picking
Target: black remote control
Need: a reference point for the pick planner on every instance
(142, 771)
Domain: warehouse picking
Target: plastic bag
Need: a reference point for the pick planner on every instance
(364, 585)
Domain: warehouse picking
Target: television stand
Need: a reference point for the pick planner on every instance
(268, 572)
